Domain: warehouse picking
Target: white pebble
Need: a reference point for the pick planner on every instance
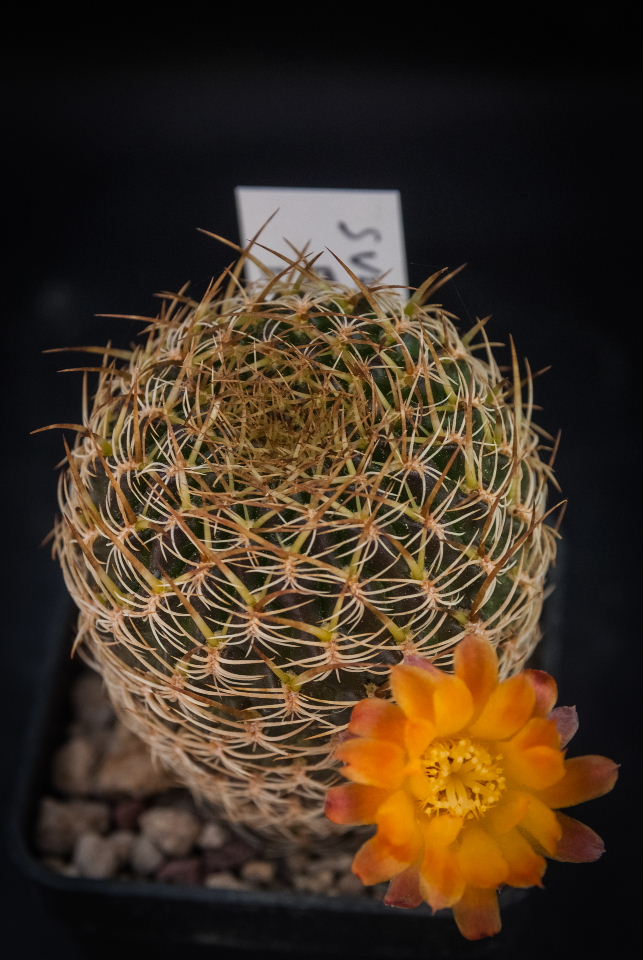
(61, 822)
(225, 881)
(73, 767)
(337, 862)
(95, 857)
(349, 885)
(122, 841)
(212, 836)
(91, 703)
(173, 831)
(322, 881)
(128, 768)
(61, 866)
(144, 858)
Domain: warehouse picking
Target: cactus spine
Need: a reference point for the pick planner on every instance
(280, 492)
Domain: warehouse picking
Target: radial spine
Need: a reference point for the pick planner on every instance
(282, 491)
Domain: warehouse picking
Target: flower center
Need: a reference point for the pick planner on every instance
(464, 778)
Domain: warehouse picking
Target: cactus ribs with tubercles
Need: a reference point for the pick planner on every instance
(275, 496)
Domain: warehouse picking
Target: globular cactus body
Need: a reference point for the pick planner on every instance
(277, 496)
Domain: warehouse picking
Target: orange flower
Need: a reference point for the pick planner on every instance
(464, 776)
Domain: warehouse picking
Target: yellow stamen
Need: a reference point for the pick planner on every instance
(464, 779)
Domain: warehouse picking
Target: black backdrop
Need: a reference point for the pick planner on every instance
(515, 147)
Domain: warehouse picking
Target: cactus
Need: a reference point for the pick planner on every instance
(283, 490)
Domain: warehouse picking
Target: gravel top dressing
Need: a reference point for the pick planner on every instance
(111, 813)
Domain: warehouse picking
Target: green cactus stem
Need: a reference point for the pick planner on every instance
(275, 496)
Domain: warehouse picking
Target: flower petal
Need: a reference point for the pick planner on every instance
(418, 734)
(441, 880)
(508, 812)
(354, 803)
(566, 720)
(541, 825)
(508, 709)
(477, 914)
(442, 830)
(578, 843)
(532, 757)
(404, 889)
(379, 719)
(476, 663)
(546, 690)
(585, 779)
(413, 689)
(480, 859)
(536, 768)
(374, 762)
(419, 786)
(452, 705)
(376, 861)
(526, 867)
(429, 695)
(397, 823)
(538, 732)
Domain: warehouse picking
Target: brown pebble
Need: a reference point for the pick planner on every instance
(61, 822)
(127, 812)
(297, 862)
(224, 880)
(144, 858)
(188, 870)
(231, 854)
(95, 857)
(258, 871)
(73, 767)
(173, 831)
(212, 836)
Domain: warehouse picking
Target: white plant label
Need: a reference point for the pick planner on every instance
(362, 227)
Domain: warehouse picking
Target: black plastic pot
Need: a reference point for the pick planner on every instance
(254, 922)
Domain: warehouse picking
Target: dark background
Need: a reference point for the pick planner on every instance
(515, 144)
